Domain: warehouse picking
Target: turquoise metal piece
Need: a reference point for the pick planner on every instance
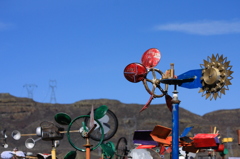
(108, 149)
(62, 118)
(100, 112)
(71, 155)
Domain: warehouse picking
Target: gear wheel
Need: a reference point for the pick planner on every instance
(216, 76)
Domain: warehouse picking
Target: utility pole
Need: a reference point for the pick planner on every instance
(53, 85)
(30, 88)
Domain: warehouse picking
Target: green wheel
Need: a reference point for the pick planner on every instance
(75, 133)
(109, 123)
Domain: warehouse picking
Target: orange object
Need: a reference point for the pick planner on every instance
(87, 152)
(161, 132)
(87, 145)
(165, 142)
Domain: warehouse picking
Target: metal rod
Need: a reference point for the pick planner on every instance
(53, 153)
(72, 131)
(87, 152)
(175, 135)
(94, 126)
(69, 131)
(175, 124)
(88, 145)
(28, 134)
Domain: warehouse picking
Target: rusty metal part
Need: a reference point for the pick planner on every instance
(155, 83)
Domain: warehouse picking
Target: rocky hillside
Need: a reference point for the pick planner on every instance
(25, 115)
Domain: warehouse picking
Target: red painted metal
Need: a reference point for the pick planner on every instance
(147, 104)
(135, 72)
(220, 148)
(145, 146)
(151, 58)
(168, 99)
(238, 133)
(206, 140)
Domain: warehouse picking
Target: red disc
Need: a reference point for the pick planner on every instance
(135, 72)
(151, 58)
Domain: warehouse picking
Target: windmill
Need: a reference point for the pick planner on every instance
(213, 80)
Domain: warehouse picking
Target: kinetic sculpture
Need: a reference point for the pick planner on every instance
(213, 79)
(47, 131)
(100, 125)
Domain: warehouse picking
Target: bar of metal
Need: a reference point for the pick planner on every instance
(175, 134)
(175, 124)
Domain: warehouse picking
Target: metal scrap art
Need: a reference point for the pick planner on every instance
(213, 79)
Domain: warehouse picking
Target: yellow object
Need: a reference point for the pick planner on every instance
(53, 152)
(229, 139)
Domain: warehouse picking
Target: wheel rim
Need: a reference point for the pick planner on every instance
(121, 148)
(70, 139)
(155, 83)
(111, 125)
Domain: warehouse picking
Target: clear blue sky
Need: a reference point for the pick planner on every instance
(85, 45)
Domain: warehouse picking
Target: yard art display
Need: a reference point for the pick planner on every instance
(213, 79)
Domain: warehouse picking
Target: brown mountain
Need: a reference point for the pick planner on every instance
(25, 115)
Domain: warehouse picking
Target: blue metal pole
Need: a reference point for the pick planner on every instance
(175, 128)
(175, 124)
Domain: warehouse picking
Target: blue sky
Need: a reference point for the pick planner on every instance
(84, 47)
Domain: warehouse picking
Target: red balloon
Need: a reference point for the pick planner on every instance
(135, 72)
(151, 58)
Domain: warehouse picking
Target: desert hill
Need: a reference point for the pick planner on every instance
(25, 115)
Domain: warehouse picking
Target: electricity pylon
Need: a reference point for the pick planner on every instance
(30, 89)
(53, 85)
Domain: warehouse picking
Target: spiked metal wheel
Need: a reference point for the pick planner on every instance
(216, 76)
